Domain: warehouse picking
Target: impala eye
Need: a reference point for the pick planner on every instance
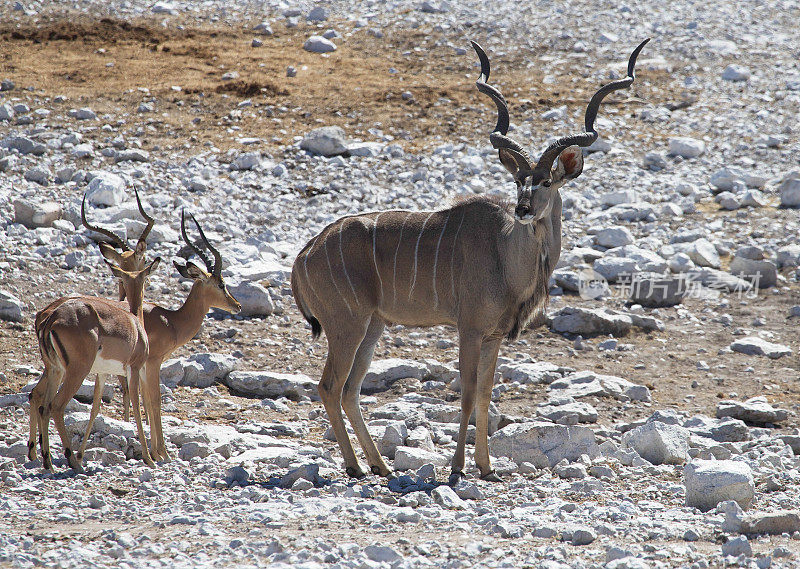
(547, 183)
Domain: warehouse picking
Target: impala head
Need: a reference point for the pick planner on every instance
(128, 259)
(212, 282)
(537, 183)
(134, 282)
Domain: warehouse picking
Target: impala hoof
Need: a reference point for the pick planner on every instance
(491, 476)
(382, 471)
(455, 477)
(353, 472)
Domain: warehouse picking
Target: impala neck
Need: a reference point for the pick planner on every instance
(189, 317)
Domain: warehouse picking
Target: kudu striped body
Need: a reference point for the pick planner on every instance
(481, 265)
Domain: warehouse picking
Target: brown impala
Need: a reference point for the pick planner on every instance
(128, 260)
(481, 265)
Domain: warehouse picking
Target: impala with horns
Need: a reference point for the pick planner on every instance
(167, 330)
(481, 265)
(128, 259)
(81, 335)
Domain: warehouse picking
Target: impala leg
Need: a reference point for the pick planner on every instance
(45, 392)
(135, 378)
(486, 368)
(72, 380)
(352, 394)
(468, 358)
(35, 401)
(126, 398)
(152, 397)
(342, 347)
(99, 384)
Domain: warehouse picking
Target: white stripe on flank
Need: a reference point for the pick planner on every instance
(394, 272)
(374, 253)
(333, 279)
(416, 254)
(436, 262)
(344, 267)
(305, 267)
(452, 257)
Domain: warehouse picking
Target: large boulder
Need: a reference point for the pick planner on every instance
(272, 384)
(790, 190)
(382, 373)
(599, 321)
(709, 482)
(32, 214)
(106, 189)
(755, 346)
(760, 272)
(756, 411)
(590, 384)
(254, 298)
(543, 444)
(659, 443)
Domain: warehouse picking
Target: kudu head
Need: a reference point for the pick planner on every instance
(562, 161)
(128, 259)
(212, 284)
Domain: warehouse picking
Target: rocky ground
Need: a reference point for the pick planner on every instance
(629, 431)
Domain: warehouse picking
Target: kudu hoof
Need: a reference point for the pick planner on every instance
(353, 472)
(491, 476)
(455, 477)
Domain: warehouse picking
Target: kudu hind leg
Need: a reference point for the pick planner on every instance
(486, 368)
(468, 359)
(352, 394)
(342, 348)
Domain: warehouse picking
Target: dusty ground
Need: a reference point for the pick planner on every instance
(113, 66)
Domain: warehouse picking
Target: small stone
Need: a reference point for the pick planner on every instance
(755, 346)
(583, 536)
(654, 161)
(659, 443)
(614, 237)
(11, 308)
(736, 73)
(326, 141)
(447, 498)
(410, 458)
(686, 147)
(319, 44)
(85, 114)
(317, 14)
(690, 535)
(737, 546)
(789, 190)
(256, 42)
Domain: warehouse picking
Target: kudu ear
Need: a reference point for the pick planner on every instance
(516, 164)
(110, 253)
(569, 164)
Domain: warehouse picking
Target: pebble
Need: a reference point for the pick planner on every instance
(319, 44)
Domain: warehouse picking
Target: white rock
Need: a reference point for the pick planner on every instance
(709, 482)
(365, 149)
(686, 147)
(31, 214)
(659, 443)
(11, 308)
(614, 237)
(788, 256)
(246, 161)
(703, 253)
(619, 197)
(563, 409)
(410, 458)
(755, 410)
(737, 546)
(736, 73)
(382, 373)
(543, 444)
(6, 112)
(789, 190)
(394, 436)
(85, 114)
(326, 140)
(591, 384)
(319, 44)
(254, 298)
(106, 189)
(447, 498)
(272, 384)
(755, 346)
(317, 14)
(164, 8)
(198, 370)
(593, 322)
(39, 174)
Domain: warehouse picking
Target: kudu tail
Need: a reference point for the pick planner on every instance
(316, 327)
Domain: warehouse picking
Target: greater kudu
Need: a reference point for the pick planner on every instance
(481, 265)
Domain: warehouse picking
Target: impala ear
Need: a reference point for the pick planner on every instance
(116, 271)
(140, 248)
(110, 253)
(152, 266)
(190, 270)
(569, 164)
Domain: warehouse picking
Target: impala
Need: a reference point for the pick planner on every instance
(81, 335)
(128, 260)
(481, 265)
(167, 330)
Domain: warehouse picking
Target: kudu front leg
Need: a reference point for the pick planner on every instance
(468, 358)
(488, 362)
